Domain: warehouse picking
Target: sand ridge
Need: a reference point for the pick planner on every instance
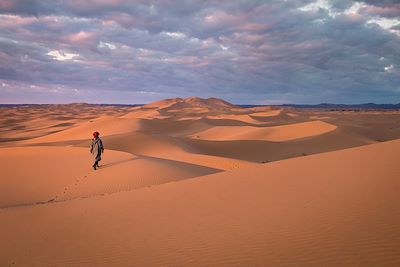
(270, 113)
(48, 170)
(109, 126)
(236, 117)
(274, 133)
(30, 121)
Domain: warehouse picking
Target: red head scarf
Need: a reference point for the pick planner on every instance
(96, 134)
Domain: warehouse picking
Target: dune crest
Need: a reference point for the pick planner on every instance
(181, 108)
(270, 113)
(235, 117)
(106, 125)
(274, 133)
(49, 170)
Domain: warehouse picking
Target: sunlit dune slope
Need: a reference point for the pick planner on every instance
(31, 174)
(40, 174)
(267, 113)
(31, 121)
(235, 117)
(275, 133)
(181, 107)
(142, 113)
(134, 173)
(170, 149)
(332, 209)
(106, 126)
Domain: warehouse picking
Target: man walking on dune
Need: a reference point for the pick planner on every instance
(96, 148)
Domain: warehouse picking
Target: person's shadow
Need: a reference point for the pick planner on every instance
(102, 166)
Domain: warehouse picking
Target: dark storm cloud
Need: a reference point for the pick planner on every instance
(245, 51)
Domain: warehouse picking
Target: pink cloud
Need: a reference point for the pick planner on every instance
(255, 27)
(382, 11)
(251, 39)
(123, 19)
(12, 21)
(88, 4)
(221, 19)
(82, 38)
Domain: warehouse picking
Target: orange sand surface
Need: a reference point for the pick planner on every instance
(267, 113)
(275, 133)
(239, 117)
(110, 125)
(199, 182)
(48, 170)
(328, 209)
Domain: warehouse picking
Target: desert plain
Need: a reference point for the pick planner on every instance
(199, 182)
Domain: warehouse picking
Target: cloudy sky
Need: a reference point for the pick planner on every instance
(247, 52)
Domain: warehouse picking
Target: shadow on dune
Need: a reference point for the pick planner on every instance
(107, 165)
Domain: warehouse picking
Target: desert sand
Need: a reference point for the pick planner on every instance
(274, 133)
(199, 182)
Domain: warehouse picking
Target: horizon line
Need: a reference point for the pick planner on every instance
(141, 104)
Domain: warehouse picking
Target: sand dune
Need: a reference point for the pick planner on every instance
(267, 113)
(142, 114)
(268, 151)
(27, 122)
(189, 110)
(191, 102)
(240, 117)
(32, 127)
(167, 148)
(275, 133)
(165, 103)
(181, 109)
(294, 115)
(210, 103)
(181, 184)
(319, 117)
(261, 109)
(178, 108)
(59, 173)
(329, 209)
(33, 174)
(105, 125)
(133, 173)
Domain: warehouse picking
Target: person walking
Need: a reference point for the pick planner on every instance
(96, 148)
